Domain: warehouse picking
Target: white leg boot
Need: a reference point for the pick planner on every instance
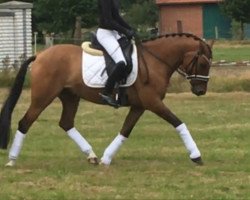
(111, 150)
(83, 144)
(15, 148)
(188, 141)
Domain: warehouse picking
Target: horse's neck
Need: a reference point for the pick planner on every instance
(170, 51)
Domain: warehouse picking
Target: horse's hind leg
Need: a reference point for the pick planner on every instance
(133, 116)
(70, 104)
(39, 102)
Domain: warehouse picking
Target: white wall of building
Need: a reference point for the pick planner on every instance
(15, 31)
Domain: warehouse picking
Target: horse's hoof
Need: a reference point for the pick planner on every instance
(93, 161)
(105, 164)
(11, 163)
(198, 161)
(92, 158)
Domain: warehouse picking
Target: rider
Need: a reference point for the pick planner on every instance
(111, 25)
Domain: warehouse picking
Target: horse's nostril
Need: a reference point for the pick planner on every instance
(201, 92)
(198, 91)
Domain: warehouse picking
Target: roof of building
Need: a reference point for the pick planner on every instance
(16, 5)
(186, 1)
(6, 12)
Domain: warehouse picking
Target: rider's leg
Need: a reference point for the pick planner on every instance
(108, 39)
(114, 77)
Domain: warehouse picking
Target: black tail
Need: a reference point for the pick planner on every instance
(10, 103)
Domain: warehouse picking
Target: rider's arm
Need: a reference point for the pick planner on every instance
(107, 20)
(117, 16)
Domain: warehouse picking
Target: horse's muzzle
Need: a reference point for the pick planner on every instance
(198, 87)
(198, 91)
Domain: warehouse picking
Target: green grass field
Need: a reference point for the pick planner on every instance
(231, 52)
(152, 164)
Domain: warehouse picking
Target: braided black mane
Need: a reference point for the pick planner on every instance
(174, 35)
(188, 35)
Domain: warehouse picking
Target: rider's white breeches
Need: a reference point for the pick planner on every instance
(108, 39)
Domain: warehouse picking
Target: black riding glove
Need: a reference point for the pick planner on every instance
(130, 34)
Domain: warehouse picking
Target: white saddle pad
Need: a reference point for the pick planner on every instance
(94, 73)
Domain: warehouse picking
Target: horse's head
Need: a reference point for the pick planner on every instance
(195, 67)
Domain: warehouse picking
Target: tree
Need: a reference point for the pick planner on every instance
(144, 13)
(60, 16)
(239, 11)
(141, 14)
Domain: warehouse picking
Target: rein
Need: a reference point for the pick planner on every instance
(154, 55)
(139, 43)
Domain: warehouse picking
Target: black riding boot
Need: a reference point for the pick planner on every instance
(115, 76)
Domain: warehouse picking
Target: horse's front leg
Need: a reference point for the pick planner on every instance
(161, 110)
(133, 116)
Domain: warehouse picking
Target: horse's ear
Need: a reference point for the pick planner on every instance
(211, 43)
(202, 49)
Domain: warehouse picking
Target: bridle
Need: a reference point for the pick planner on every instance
(193, 64)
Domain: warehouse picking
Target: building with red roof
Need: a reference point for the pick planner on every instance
(203, 18)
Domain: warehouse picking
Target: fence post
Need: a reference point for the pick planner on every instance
(35, 42)
(78, 30)
(49, 40)
(216, 32)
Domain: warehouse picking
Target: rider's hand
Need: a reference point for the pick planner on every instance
(130, 34)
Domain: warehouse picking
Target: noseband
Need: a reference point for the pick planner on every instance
(193, 64)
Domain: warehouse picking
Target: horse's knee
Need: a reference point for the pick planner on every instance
(23, 126)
